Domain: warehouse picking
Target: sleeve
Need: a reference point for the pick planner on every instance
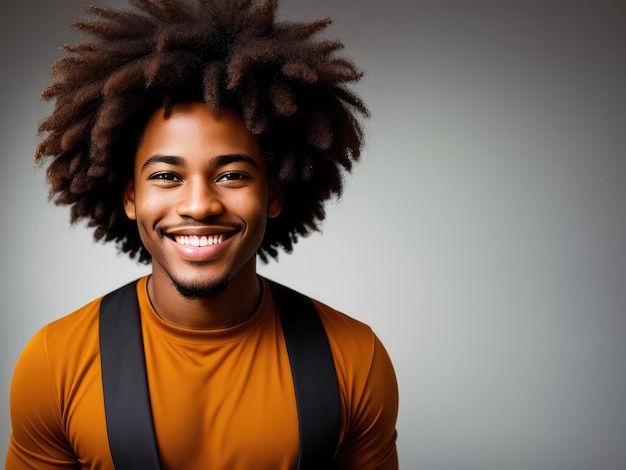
(37, 439)
(371, 440)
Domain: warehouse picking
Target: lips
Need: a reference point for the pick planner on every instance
(199, 244)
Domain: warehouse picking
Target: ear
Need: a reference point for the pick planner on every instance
(129, 200)
(276, 198)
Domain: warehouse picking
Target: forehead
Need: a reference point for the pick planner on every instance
(193, 130)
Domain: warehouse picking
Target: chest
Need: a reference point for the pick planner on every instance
(231, 405)
(228, 406)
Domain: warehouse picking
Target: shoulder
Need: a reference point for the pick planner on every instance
(352, 334)
(56, 394)
(360, 357)
(369, 391)
(60, 349)
(351, 340)
(77, 321)
(78, 330)
(73, 334)
(68, 344)
(43, 380)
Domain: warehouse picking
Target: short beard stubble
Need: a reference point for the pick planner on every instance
(201, 291)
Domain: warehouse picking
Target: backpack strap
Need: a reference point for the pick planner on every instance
(125, 382)
(127, 399)
(314, 378)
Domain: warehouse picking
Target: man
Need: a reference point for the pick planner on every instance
(197, 135)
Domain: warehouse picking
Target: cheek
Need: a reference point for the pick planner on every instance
(251, 205)
(149, 207)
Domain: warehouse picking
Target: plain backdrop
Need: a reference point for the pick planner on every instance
(482, 236)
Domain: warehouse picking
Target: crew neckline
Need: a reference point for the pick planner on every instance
(205, 336)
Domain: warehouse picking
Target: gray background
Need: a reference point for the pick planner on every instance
(481, 237)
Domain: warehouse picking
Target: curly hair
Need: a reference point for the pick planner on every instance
(290, 88)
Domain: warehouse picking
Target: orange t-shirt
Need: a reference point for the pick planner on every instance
(221, 399)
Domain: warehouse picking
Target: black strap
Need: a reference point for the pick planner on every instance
(314, 378)
(125, 383)
(127, 399)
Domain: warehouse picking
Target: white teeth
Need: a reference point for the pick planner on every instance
(202, 240)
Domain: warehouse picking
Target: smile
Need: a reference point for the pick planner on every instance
(200, 240)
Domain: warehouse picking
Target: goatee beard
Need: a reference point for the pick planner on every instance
(201, 291)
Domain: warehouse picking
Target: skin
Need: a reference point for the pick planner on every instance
(202, 178)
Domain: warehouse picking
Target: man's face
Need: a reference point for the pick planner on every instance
(201, 197)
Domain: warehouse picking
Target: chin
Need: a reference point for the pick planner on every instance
(201, 290)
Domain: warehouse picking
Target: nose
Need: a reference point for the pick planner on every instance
(199, 200)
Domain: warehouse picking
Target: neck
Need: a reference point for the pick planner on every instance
(235, 305)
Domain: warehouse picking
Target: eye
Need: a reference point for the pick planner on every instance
(165, 176)
(234, 176)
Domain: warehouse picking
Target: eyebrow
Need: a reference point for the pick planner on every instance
(218, 161)
(168, 159)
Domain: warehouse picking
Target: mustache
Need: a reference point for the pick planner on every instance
(227, 225)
